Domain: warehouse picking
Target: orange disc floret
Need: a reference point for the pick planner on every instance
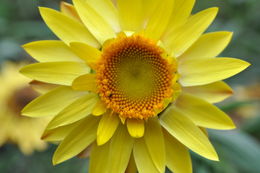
(134, 78)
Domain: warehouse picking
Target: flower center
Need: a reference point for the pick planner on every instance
(134, 77)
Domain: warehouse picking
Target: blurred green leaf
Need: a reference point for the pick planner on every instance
(240, 149)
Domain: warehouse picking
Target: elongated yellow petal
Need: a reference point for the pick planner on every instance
(42, 87)
(177, 157)
(159, 20)
(51, 103)
(58, 134)
(99, 109)
(107, 127)
(205, 71)
(85, 82)
(154, 140)
(212, 45)
(180, 13)
(180, 39)
(62, 73)
(120, 150)
(50, 51)
(61, 25)
(89, 54)
(131, 168)
(130, 14)
(143, 160)
(213, 93)
(203, 113)
(77, 140)
(99, 158)
(135, 127)
(149, 8)
(108, 11)
(76, 111)
(94, 22)
(69, 10)
(183, 129)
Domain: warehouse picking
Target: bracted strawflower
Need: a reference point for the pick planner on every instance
(135, 83)
(14, 95)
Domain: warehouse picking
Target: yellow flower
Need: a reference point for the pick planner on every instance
(14, 95)
(137, 80)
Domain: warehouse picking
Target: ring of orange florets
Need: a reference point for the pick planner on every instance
(107, 75)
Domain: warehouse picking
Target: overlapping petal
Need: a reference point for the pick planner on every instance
(154, 141)
(77, 140)
(203, 113)
(61, 25)
(206, 71)
(130, 14)
(50, 51)
(120, 150)
(183, 129)
(177, 156)
(52, 102)
(96, 24)
(213, 93)
(212, 45)
(107, 127)
(76, 111)
(180, 39)
(62, 73)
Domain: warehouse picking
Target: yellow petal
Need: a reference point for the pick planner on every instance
(212, 45)
(66, 28)
(107, 10)
(77, 140)
(135, 127)
(51, 103)
(94, 22)
(213, 93)
(69, 10)
(89, 54)
(143, 160)
(205, 71)
(159, 20)
(180, 39)
(120, 150)
(99, 109)
(130, 14)
(99, 158)
(180, 13)
(203, 113)
(62, 73)
(131, 168)
(177, 157)
(85, 82)
(150, 6)
(76, 111)
(58, 134)
(107, 127)
(154, 140)
(42, 87)
(50, 51)
(183, 129)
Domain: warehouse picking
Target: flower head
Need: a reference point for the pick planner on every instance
(135, 82)
(14, 95)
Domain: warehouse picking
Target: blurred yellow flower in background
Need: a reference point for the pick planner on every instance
(136, 83)
(15, 93)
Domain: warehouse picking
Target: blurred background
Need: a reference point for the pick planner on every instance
(239, 150)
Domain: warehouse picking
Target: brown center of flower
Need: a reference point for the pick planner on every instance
(134, 77)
